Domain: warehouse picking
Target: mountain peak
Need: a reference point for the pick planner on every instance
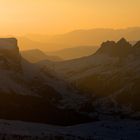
(123, 43)
(108, 44)
(122, 40)
(121, 48)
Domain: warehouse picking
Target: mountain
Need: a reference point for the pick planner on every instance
(9, 54)
(102, 87)
(37, 55)
(26, 43)
(91, 37)
(111, 77)
(95, 36)
(29, 92)
(121, 48)
(75, 52)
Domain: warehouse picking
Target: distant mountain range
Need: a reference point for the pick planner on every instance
(72, 53)
(78, 43)
(29, 44)
(95, 36)
(92, 37)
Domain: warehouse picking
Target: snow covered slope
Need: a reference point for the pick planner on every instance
(104, 130)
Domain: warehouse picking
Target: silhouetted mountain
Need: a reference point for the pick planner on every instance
(9, 54)
(75, 52)
(111, 77)
(26, 44)
(37, 55)
(95, 36)
(73, 91)
(121, 48)
(92, 37)
(29, 92)
(123, 43)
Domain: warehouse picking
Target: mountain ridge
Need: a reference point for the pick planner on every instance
(34, 94)
(36, 55)
(91, 37)
(110, 77)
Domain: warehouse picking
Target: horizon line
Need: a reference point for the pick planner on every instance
(70, 31)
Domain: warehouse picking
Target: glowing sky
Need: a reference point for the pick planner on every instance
(59, 16)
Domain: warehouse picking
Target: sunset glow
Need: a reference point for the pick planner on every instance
(60, 16)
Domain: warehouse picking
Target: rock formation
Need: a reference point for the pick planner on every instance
(121, 48)
(9, 54)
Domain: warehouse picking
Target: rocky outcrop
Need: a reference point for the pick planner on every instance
(9, 54)
(123, 43)
(107, 47)
(121, 48)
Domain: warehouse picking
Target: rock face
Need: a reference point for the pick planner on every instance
(9, 54)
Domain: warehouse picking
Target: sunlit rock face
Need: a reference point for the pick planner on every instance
(9, 54)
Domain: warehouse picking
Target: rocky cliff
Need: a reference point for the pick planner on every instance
(9, 54)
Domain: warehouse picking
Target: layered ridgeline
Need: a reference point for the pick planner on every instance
(111, 77)
(36, 55)
(102, 84)
(30, 93)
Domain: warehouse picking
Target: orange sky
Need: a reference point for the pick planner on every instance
(59, 16)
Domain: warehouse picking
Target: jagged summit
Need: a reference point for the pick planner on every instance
(108, 44)
(123, 43)
(121, 48)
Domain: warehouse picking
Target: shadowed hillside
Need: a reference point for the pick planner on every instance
(37, 55)
(110, 76)
(29, 93)
(76, 52)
